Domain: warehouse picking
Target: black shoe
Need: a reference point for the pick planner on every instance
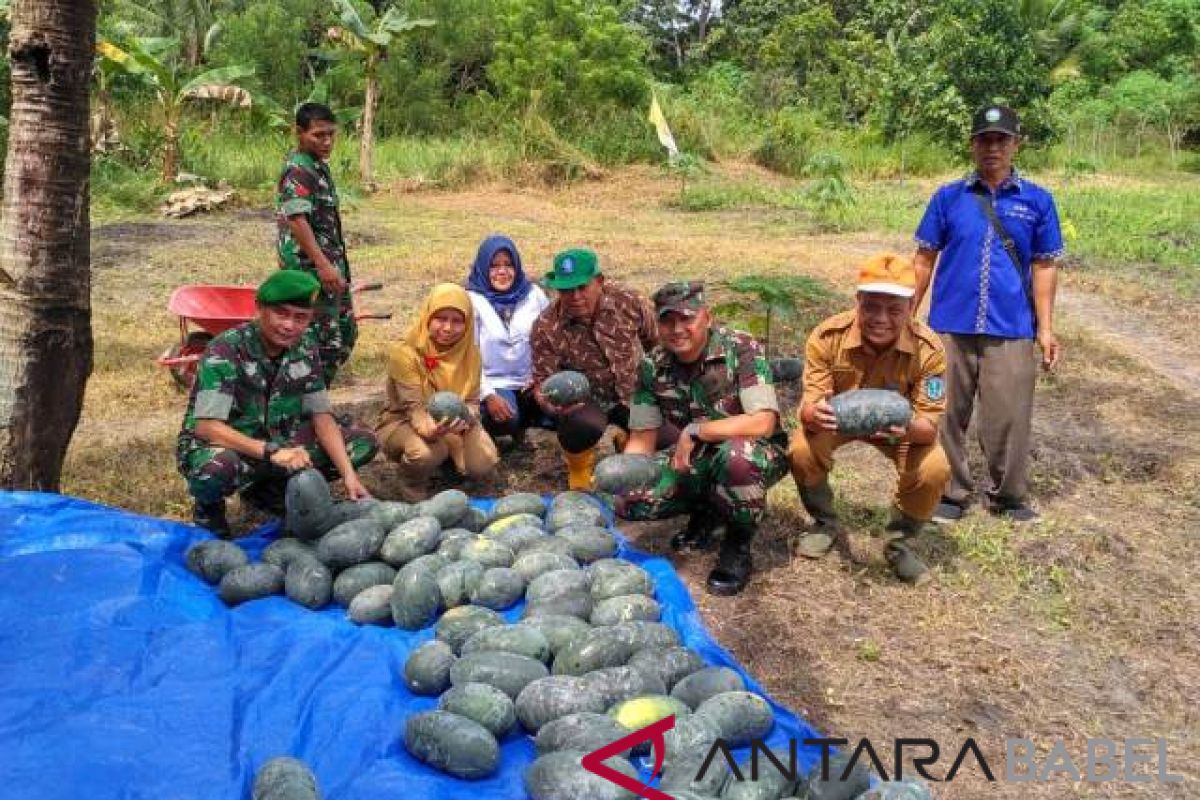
(1017, 513)
(267, 497)
(948, 511)
(701, 532)
(212, 517)
(734, 562)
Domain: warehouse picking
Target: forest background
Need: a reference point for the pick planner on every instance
(462, 91)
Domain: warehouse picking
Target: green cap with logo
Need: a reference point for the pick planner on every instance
(684, 297)
(288, 287)
(573, 268)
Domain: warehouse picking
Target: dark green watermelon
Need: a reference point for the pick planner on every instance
(456, 581)
(785, 370)
(285, 778)
(487, 705)
(416, 599)
(566, 388)
(616, 684)
(622, 474)
(309, 505)
(459, 624)
(453, 744)
(583, 731)
(508, 672)
(741, 716)
(443, 406)
(372, 606)
(212, 559)
(519, 503)
(250, 582)
(547, 699)
(427, 670)
(524, 640)
(561, 776)
(861, 412)
(498, 588)
(308, 582)
(668, 664)
(355, 579)
(626, 608)
(281, 551)
(350, 543)
(702, 684)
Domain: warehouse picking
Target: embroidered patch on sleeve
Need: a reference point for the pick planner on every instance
(935, 387)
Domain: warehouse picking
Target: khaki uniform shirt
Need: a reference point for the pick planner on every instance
(838, 360)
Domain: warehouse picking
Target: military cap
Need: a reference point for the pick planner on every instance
(573, 268)
(288, 287)
(684, 297)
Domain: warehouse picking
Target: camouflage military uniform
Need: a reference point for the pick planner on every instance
(263, 398)
(306, 187)
(731, 377)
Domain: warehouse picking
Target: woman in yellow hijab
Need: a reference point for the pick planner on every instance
(438, 354)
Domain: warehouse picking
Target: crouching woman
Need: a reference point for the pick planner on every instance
(438, 354)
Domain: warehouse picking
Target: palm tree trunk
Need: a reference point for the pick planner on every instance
(366, 142)
(45, 285)
(170, 167)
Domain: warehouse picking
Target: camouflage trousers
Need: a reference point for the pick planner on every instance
(731, 477)
(333, 331)
(213, 473)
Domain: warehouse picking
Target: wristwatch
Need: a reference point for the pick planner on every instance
(269, 450)
(692, 431)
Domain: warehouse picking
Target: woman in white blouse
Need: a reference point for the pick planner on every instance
(506, 305)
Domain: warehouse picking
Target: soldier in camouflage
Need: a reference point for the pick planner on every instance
(310, 235)
(714, 384)
(259, 410)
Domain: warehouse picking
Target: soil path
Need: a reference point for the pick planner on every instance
(1134, 334)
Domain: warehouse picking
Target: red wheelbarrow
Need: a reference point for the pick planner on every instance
(214, 310)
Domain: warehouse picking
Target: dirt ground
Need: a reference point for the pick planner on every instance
(1084, 626)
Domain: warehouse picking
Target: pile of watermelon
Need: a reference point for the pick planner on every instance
(587, 663)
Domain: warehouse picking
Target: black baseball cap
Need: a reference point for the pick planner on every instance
(994, 118)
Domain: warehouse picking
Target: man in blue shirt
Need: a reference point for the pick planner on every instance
(993, 303)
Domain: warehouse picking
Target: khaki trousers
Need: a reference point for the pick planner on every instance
(1001, 373)
(473, 453)
(922, 469)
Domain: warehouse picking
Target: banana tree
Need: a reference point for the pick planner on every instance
(153, 61)
(369, 39)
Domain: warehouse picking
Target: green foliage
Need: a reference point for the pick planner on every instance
(831, 192)
(759, 302)
(576, 56)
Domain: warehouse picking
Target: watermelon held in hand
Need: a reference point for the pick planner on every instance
(621, 474)
(443, 406)
(566, 388)
(862, 412)
(784, 370)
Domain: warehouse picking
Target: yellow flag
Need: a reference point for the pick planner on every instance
(661, 128)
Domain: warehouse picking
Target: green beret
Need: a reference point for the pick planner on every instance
(288, 286)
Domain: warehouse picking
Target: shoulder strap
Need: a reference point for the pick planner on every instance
(1010, 247)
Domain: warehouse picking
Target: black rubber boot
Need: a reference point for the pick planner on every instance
(734, 562)
(907, 566)
(212, 517)
(825, 531)
(267, 496)
(702, 531)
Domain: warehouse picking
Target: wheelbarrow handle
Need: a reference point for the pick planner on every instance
(374, 286)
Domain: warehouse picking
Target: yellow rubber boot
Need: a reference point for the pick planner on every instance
(579, 469)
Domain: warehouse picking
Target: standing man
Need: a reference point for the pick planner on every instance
(713, 384)
(310, 234)
(259, 410)
(877, 345)
(600, 330)
(993, 303)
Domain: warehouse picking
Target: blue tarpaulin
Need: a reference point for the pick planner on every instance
(123, 676)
